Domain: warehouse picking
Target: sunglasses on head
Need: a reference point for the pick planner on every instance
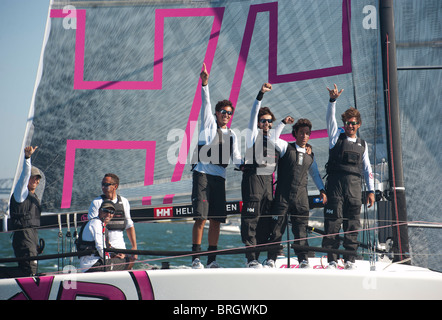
(265, 120)
(107, 210)
(351, 122)
(222, 111)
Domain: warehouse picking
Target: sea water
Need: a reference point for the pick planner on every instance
(165, 236)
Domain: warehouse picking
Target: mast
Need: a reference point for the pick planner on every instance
(396, 175)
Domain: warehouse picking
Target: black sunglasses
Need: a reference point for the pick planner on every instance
(225, 111)
(108, 210)
(106, 184)
(265, 120)
(351, 122)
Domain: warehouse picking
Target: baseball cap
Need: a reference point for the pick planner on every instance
(107, 204)
(35, 172)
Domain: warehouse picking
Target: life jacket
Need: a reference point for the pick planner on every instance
(25, 214)
(222, 148)
(265, 158)
(346, 156)
(293, 170)
(83, 245)
(118, 221)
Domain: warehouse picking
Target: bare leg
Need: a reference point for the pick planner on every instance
(197, 232)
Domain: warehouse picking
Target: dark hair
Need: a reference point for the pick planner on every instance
(301, 123)
(224, 103)
(350, 113)
(114, 178)
(263, 111)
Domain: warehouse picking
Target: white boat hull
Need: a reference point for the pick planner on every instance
(386, 282)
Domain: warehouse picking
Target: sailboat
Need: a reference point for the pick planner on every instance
(118, 88)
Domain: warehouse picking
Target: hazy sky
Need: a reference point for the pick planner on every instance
(22, 26)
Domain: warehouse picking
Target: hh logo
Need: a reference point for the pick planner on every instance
(250, 209)
(163, 213)
(329, 211)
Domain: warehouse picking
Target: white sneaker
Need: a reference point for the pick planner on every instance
(332, 265)
(196, 264)
(269, 263)
(304, 264)
(213, 264)
(349, 265)
(254, 264)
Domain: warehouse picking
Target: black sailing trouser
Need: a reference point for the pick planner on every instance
(256, 224)
(298, 210)
(344, 195)
(24, 243)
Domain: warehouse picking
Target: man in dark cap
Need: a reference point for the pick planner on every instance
(94, 236)
(25, 211)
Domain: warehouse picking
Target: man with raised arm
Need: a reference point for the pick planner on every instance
(348, 162)
(261, 158)
(25, 211)
(217, 144)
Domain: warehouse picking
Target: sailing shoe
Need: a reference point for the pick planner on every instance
(269, 263)
(349, 265)
(254, 264)
(304, 264)
(213, 264)
(196, 264)
(332, 265)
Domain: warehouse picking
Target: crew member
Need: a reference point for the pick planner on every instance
(217, 144)
(262, 154)
(122, 219)
(25, 211)
(291, 197)
(93, 236)
(348, 162)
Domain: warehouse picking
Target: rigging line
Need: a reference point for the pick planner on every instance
(69, 235)
(420, 68)
(254, 247)
(225, 251)
(200, 253)
(174, 257)
(353, 70)
(50, 164)
(393, 178)
(375, 135)
(320, 249)
(60, 235)
(174, 219)
(179, 254)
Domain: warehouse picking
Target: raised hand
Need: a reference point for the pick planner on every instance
(204, 75)
(266, 87)
(334, 93)
(288, 120)
(29, 151)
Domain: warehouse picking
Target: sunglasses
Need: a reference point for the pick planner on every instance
(222, 111)
(351, 122)
(106, 184)
(107, 210)
(265, 120)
